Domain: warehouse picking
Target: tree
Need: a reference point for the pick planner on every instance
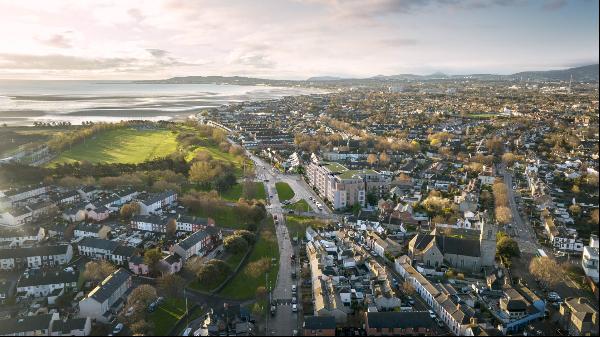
(141, 297)
(201, 172)
(509, 158)
(247, 235)
(235, 244)
(408, 288)
(594, 217)
(575, 209)
(224, 181)
(503, 215)
(546, 270)
(506, 246)
(212, 272)
(171, 227)
(97, 271)
(152, 257)
(384, 158)
(129, 210)
(372, 159)
(171, 284)
(141, 327)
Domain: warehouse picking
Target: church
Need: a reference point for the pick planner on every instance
(469, 255)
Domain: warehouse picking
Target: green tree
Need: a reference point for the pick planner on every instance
(235, 244)
(151, 258)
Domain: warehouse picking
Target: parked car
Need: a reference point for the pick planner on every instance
(294, 289)
(118, 328)
(431, 314)
(294, 300)
(410, 300)
(294, 308)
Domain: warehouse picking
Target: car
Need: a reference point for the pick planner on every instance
(187, 332)
(431, 314)
(294, 288)
(294, 308)
(291, 211)
(273, 310)
(129, 312)
(294, 300)
(161, 299)
(294, 332)
(439, 322)
(118, 328)
(410, 300)
(152, 307)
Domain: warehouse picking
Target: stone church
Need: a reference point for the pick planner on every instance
(469, 255)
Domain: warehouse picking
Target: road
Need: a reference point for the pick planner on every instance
(524, 232)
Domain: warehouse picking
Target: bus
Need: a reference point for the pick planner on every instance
(541, 253)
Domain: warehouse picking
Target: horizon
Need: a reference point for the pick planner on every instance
(293, 40)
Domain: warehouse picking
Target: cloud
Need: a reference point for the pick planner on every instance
(59, 40)
(399, 41)
(158, 52)
(372, 8)
(76, 63)
(554, 4)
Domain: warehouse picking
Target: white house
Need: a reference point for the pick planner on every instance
(154, 203)
(25, 193)
(199, 243)
(104, 301)
(35, 257)
(21, 237)
(589, 259)
(46, 283)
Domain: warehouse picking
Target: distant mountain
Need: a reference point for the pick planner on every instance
(324, 78)
(580, 74)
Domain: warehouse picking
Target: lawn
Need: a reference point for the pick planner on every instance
(121, 146)
(284, 191)
(299, 206)
(297, 224)
(167, 315)
(225, 217)
(243, 286)
(236, 192)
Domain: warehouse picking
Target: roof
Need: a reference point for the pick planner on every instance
(193, 239)
(69, 325)
(319, 322)
(98, 243)
(450, 245)
(48, 277)
(89, 227)
(24, 324)
(152, 198)
(151, 218)
(127, 251)
(33, 251)
(110, 284)
(399, 320)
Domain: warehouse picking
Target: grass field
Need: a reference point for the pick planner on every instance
(167, 315)
(226, 217)
(121, 146)
(299, 206)
(297, 224)
(284, 191)
(236, 191)
(252, 275)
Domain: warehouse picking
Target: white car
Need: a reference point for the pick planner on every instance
(294, 308)
(431, 314)
(118, 328)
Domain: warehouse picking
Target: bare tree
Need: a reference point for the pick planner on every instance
(546, 270)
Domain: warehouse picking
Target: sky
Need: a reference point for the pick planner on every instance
(291, 39)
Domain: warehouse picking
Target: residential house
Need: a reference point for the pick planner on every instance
(589, 259)
(579, 317)
(199, 243)
(35, 257)
(154, 203)
(28, 325)
(71, 327)
(45, 283)
(93, 230)
(318, 326)
(409, 323)
(104, 301)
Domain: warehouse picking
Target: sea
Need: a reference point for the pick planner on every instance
(25, 102)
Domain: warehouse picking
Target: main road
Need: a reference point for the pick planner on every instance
(524, 233)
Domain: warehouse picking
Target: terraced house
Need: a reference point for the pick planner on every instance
(35, 257)
(46, 283)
